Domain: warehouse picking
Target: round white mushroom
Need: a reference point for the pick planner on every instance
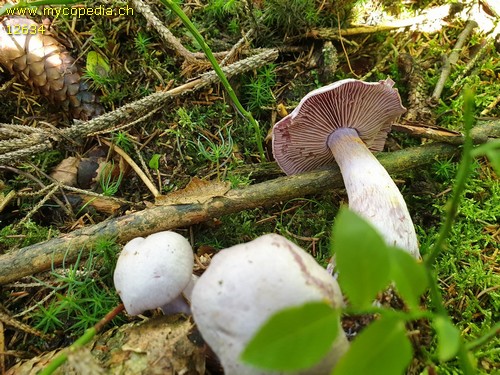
(344, 122)
(248, 283)
(153, 272)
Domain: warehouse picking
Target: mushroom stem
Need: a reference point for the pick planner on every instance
(181, 303)
(371, 191)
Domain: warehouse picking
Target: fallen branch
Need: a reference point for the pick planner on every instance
(436, 133)
(42, 256)
(430, 15)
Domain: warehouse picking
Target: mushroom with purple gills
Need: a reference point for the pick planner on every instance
(344, 122)
(246, 284)
(156, 272)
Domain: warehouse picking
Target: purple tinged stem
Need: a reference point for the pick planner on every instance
(371, 191)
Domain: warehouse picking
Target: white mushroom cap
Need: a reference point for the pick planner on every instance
(153, 271)
(300, 139)
(246, 284)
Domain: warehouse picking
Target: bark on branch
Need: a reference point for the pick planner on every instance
(41, 256)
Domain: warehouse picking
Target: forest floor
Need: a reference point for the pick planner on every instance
(199, 136)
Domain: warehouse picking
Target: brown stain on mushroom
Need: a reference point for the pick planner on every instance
(310, 279)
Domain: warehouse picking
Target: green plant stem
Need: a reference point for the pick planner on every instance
(206, 49)
(465, 360)
(63, 357)
(406, 316)
(464, 170)
(494, 331)
(81, 341)
(435, 294)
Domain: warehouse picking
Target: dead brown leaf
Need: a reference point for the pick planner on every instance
(197, 191)
(160, 345)
(66, 171)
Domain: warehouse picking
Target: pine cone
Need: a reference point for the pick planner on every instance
(47, 66)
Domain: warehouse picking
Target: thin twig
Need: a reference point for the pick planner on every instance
(170, 40)
(484, 50)
(127, 125)
(41, 184)
(491, 106)
(234, 49)
(94, 194)
(5, 200)
(141, 160)
(37, 206)
(344, 49)
(134, 166)
(451, 59)
(9, 320)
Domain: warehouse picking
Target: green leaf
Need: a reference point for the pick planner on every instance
(154, 162)
(295, 338)
(381, 349)
(492, 151)
(448, 338)
(494, 158)
(409, 275)
(97, 64)
(362, 258)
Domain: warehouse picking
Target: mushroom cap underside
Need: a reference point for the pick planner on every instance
(300, 140)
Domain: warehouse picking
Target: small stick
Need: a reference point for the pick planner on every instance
(483, 52)
(344, 49)
(126, 126)
(6, 319)
(152, 188)
(233, 50)
(433, 132)
(452, 59)
(492, 105)
(41, 184)
(51, 192)
(5, 200)
(170, 40)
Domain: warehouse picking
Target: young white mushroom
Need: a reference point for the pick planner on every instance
(155, 271)
(345, 121)
(246, 284)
